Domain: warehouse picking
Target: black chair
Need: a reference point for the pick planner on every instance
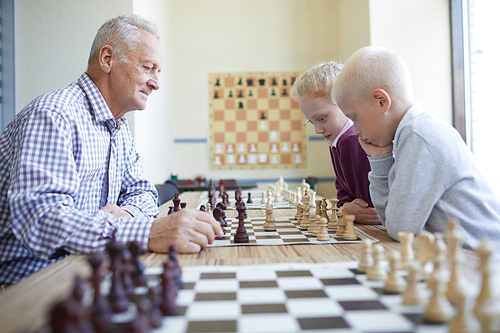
(313, 182)
(166, 192)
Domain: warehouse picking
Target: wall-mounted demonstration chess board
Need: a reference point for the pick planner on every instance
(255, 123)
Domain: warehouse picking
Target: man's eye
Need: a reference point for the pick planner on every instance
(321, 119)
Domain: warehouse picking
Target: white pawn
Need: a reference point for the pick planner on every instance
(407, 256)
(464, 321)
(366, 260)
(269, 225)
(377, 272)
(439, 309)
(349, 233)
(414, 293)
(323, 234)
(394, 283)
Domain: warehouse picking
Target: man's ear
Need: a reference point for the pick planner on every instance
(382, 98)
(107, 56)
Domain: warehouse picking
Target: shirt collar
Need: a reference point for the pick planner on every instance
(100, 109)
(411, 114)
(344, 129)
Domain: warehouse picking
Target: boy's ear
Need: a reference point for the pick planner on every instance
(106, 58)
(382, 98)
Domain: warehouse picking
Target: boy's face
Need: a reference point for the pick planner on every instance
(326, 117)
(370, 122)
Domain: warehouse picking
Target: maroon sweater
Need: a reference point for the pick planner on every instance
(351, 167)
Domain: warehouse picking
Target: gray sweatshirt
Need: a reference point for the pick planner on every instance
(433, 177)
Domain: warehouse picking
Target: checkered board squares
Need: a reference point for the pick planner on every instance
(254, 122)
(328, 297)
(287, 232)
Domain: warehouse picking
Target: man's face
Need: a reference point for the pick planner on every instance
(135, 78)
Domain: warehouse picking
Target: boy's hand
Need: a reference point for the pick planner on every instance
(363, 213)
(374, 151)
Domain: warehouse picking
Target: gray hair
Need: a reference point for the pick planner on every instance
(122, 33)
(370, 68)
(316, 81)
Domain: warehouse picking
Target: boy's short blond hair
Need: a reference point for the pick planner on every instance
(370, 68)
(316, 82)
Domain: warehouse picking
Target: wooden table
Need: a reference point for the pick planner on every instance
(24, 307)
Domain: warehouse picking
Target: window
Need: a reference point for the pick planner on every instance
(7, 68)
(476, 71)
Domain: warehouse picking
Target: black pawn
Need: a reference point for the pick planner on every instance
(173, 252)
(127, 269)
(101, 310)
(117, 294)
(203, 208)
(170, 289)
(140, 280)
(249, 198)
(155, 315)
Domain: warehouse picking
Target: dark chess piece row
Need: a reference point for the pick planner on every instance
(129, 293)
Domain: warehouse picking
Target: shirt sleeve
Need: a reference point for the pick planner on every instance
(43, 186)
(137, 195)
(405, 192)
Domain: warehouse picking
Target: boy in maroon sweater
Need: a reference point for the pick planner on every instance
(312, 90)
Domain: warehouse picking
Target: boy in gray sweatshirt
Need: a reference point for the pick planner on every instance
(422, 173)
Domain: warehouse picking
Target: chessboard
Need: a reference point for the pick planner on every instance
(269, 298)
(255, 123)
(287, 232)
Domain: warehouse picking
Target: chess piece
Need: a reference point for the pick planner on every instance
(333, 216)
(269, 225)
(173, 251)
(100, 312)
(126, 271)
(176, 200)
(249, 198)
(439, 309)
(241, 235)
(407, 255)
(137, 273)
(456, 281)
(117, 295)
(377, 271)
(366, 260)
(487, 306)
(349, 233)
(424, 243)
(464, 320)
(323, 234)
(169, 289)
(324, 209)
(298, 212)
(414, 293)
(342, 223)
(312, 224)
(394, 283)
(155, 315)
(305, 223)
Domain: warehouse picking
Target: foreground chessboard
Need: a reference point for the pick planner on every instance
(287, 232)
(328, 297)
(256, 204)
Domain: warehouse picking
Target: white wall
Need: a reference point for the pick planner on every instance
(54, 39)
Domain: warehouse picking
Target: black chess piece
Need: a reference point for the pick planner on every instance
(240, 94)
(249, 200)
(170, 210)
(284, 82)
(117, 294)
(250, 93)
(141, 324)
(203, 208)
(262, 116)
(222, 188)
(217, 214)
(155, 315)
(183, 205)
(274, 83)
(137, 274)
(173, 252)
(250, 82)
(169, 286)
(217, 83)
(241, 235)
(127, 269)
(262, 82)
(240, 105)
(101, 312)
(230, 94)
(216, 95)
(273, 93)
(285, 93)
(177, 202)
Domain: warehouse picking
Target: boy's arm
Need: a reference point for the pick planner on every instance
(405, 192)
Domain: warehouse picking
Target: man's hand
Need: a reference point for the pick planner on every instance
(363, 213)
(116, 211)
(191, 229)
(373, 150)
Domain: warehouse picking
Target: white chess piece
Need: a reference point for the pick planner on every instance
(242, 159)
(217, 160)
(285, 147)
(252, 159)
(274, 159)
(241, 148)
(274, 148)
(230, 159)
(295, 147)
(218, 149)
(273, 136)
(230, 149)
(297, 160)
(253, 149)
